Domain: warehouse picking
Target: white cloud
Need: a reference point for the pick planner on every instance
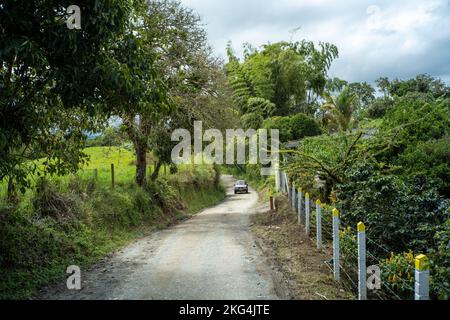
(375, 38)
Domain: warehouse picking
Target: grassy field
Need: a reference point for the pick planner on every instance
(78, 219)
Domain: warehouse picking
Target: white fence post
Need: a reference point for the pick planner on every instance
(336, 267)
(290, 195)
(319, 224)
(294, 191)
(277, 179)
(422, 282)
(286, 183)
(300, 196)
(307, 222)
(362, 270)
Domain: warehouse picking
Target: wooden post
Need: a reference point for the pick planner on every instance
(271, 204)
(112, 176)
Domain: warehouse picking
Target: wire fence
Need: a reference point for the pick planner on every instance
(399, 277)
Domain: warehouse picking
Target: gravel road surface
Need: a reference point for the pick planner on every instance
(210, 256)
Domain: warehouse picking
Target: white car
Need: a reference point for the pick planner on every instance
(240, 186)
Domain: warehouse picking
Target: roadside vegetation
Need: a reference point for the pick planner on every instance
(73, 102)
(78, 219)
(380, 155)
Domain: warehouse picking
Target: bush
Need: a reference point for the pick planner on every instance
(252, 121)
(281, 123)
(304, 126)
(440, 263)
(49, 202)
(430, 158)
(397, 274)
(379, 107)
(260, 106)
(400, 214)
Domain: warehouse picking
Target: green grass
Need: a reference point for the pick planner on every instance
(77, 219)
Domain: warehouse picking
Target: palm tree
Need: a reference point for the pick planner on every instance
(338, 111)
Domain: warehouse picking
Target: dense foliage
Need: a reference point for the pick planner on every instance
(392, 174)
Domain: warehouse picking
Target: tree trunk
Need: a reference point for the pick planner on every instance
(155, 173)
(141, 164)
(12, 194)
(138, 129)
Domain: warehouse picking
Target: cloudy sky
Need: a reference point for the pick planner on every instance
(376, 38)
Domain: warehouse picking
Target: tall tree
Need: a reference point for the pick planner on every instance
(290, 75)
(188, 72)
(52, 80)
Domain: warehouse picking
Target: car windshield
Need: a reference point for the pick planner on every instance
(241, 182)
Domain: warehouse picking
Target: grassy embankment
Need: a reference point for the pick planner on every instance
(78, 219)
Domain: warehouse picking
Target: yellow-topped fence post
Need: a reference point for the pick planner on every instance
(299, 205)
(307, 222)
(362, 271)
(422, 278)
(336, 268)
(319, 224)
(293, 196)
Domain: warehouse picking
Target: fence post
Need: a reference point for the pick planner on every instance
(336, 267)
(272, 208)
(307, 213)
(112, 176)
(319, 224)
(293, 197)
(286, 181)
(300, 195)
(422, 281)
(277, 179)
(362, 271)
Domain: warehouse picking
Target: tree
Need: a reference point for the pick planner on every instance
(304, 126)
(252, 121)
(339, 110)
(187, 72)
(365, 96)
(261, 106)
(422, 83)
(290, 75)
(52, 81)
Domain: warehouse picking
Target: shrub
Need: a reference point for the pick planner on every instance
(430, 158)
(397, 274)
(260, 106)
(401, 214)
(252, 121)
(49, 202)
(440, 263)
(281, 123)
(304, 126)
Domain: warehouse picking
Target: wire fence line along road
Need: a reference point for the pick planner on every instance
(299, 196)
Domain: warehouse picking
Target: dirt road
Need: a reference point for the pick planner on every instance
(211, 256)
